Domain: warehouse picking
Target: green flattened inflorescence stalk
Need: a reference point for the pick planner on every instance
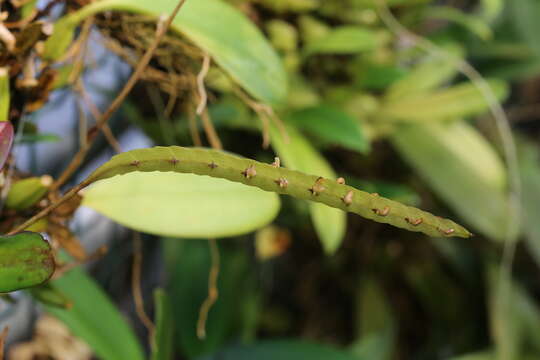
(272, 177)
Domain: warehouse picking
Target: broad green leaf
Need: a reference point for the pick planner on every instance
(332, 126)
(473, 23)
(188, 264)
(455, 102)
(4, 94)
(282, 350)
(182, 205)
(95, 319)
(163, 342)
(462, 168)
(344, 40)
(232, 40)
(26, 260)
(298, 154)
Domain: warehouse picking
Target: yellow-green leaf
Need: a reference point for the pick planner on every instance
(182, 205)
(462, 168)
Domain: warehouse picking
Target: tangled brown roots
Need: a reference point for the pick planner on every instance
(176, 62)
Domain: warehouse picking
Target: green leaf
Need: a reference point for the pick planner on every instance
(26, 260)
(162, 346)
(458, 101)
(462, 168)
(298, 154)
(188, 264)
(233, 41)
(344, 40)
(282, 350)
(182, 205)
(331, 125)
(95, 319)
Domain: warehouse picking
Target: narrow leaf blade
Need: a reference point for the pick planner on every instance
(162, 347)
(443, 153)
(95, 319)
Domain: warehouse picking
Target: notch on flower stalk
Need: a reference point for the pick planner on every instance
(414, 222)
(282, 183)
(348, 198)
(249, 172)
(447, 232)
(385, 211)
(318, 187)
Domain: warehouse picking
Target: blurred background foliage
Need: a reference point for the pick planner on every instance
(356, 98)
